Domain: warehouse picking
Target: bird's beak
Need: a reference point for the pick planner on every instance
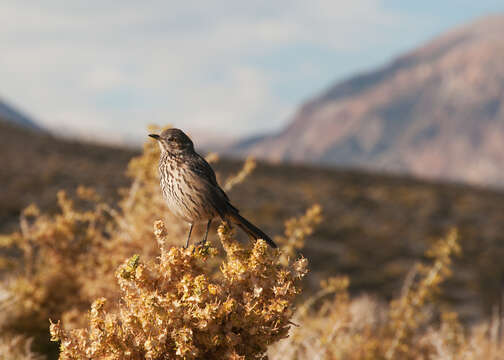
(154, 136)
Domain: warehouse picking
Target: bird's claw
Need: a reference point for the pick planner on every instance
(198, 244)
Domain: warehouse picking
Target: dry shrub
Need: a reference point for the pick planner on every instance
(17, 348)
(58, 264)
(201, 305)
(408, 313)
(173, 308)
(297, 230)
(64, 261)
(334, 326)
(47, 278)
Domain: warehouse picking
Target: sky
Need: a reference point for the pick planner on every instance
(226, 68)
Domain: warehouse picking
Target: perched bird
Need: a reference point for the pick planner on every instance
(190, 187)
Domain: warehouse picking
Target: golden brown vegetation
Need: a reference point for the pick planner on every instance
(376, 226)
(17, 348)
(177, 308)
(68, 260)
(166, 302)
(412, 326)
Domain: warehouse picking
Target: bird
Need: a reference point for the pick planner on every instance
(190, 187)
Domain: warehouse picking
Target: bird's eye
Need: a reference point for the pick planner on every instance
(171, 138)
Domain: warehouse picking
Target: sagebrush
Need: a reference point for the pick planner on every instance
(176, 308)
(116, 289)
(65, 261)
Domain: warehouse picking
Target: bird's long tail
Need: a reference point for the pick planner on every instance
(251, 229)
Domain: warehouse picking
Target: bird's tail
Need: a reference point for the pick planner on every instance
(251, 229)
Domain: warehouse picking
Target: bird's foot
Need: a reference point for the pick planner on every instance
(202, 242)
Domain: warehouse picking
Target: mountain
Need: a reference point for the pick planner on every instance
(435, 112)
(9, 114)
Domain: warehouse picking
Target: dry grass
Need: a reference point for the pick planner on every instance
(412, 326)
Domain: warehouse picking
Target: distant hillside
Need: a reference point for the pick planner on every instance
(10, 114)
(35, 165)
(375, 226)
(436, 112)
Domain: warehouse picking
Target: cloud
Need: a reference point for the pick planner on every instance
(95, 65)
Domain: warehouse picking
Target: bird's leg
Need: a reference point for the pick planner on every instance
(189, 236)
(206, 232)
(202, 242)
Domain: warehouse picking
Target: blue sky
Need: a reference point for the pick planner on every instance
(228, 67)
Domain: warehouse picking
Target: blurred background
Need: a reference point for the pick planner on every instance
(390, 114)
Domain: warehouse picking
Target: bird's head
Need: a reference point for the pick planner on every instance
(173, 141)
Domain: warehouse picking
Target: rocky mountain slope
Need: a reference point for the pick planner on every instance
(436, 112)
(10, 114)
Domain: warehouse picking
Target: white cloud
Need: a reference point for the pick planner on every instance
(117, 66)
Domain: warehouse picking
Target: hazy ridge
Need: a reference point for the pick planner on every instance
(435, 112)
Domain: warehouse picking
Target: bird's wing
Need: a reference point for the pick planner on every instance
(200, 166)
(205, 171)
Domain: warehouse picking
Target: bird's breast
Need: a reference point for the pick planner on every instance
(184, 197)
